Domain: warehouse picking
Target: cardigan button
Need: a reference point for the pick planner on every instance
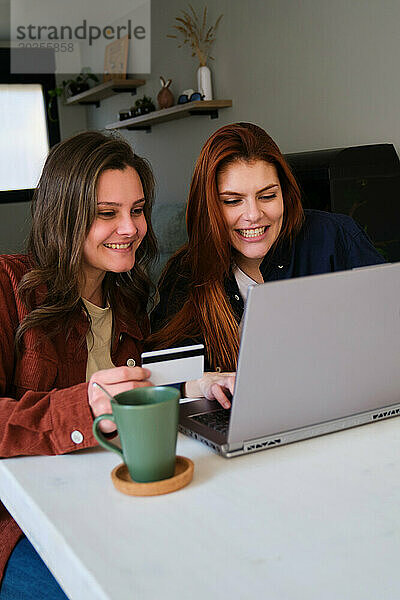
(236, 297)
(131, 362)
(77, 437)
(120, 337)
(280, 266)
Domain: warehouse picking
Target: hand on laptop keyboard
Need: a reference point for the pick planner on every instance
(213, 386)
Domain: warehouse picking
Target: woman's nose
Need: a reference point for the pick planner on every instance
(253, 210)
(126, 225)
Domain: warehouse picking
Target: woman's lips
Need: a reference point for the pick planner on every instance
(118, 246)
(253, 234)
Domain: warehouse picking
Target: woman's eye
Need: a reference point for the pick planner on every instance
(106, 214)
(232, 201)
(269, 197)
(138, 211)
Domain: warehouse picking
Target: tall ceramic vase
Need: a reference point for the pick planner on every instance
(204, 82)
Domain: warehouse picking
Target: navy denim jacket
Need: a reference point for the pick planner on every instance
(327, 242)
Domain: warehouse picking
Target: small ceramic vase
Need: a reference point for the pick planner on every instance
(204, 82)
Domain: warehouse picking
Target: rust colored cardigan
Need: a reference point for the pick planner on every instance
(43, 395)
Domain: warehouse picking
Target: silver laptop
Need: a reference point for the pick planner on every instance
(318, 354)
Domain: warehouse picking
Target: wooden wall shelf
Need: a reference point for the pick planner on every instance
(145, 122)
(105, 90)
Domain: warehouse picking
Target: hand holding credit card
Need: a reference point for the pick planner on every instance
(174, 365)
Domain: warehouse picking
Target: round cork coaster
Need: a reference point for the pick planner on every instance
(124, 483)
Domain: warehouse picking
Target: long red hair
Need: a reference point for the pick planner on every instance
(207, 256)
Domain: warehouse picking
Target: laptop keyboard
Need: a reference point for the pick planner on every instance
(218, 420)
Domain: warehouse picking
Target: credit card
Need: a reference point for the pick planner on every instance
(174, 365)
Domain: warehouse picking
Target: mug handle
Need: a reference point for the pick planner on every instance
(100, 437)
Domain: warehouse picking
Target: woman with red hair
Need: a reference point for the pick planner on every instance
(245, 225)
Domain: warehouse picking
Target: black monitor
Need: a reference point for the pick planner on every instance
(360, 181)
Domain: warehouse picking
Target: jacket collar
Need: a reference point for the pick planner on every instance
(280, 257)
(128, 325)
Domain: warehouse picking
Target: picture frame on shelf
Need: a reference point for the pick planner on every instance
(116, 59)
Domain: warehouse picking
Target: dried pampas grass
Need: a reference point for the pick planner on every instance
(193, 31)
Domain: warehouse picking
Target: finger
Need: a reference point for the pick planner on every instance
(137, 384)
(121, 374)
(231, 384)
(227, 383)
(146, 383)
(117, 388)
(126, 386)
(219, 395)
(100, 408)
(107, 426)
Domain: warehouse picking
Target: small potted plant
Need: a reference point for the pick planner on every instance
(142, 106)
(71, 87)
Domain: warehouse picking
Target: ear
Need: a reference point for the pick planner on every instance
(168, 83)
(162, 80)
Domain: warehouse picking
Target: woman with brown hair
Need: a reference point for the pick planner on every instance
(245, 225)
(72, 313)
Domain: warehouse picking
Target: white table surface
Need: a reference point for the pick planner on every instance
(319, 519)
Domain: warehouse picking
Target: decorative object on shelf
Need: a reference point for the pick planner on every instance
(200, 39)
(142, 106)
(71, 87)
(116, 59)
(204, 84)
(81, 83)
(165, 97)
(124, 113)
(106, 89)
(189, 96)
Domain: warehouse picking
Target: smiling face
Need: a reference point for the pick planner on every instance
(253, 210)
(118, 229)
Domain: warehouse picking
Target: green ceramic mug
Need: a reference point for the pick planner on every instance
(147, 423)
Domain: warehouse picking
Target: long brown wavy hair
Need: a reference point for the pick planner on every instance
(206, 259)
(63, 209)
